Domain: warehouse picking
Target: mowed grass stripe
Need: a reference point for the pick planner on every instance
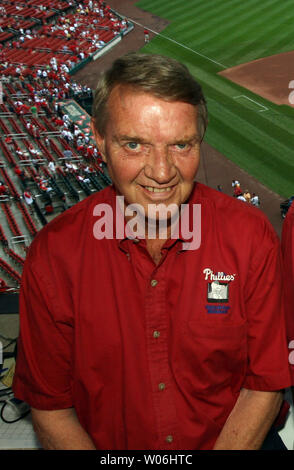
(249, 120)
(239, 116)
(265, 47)
(248, 33)
(256, 161)
(209, 16)
(283, 121)
(158, 8)
(259, 47)
(229, 20)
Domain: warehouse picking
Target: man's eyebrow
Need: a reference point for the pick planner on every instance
(128, 138)
(187, 139)
(140, 140)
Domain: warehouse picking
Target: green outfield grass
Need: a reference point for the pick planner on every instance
(210, 36)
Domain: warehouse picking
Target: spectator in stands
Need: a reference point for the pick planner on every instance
(49, 209)
(3, 286)
(255, 200)
(22, 175)
(19, 152)
(36, 162)
(125, 355)
(83, 179)
(44, 186)
(76, 131)
(67, 153)
(51, 167)
(17, 170)
(247, 195)
(34, 110)
(90, 151)
(69, 167)
(238, 191)
(9, 142)
(241, 198)
(64, 204)
(33, 151)
(3, 189)
(29, 200)
(58, 121)
(67, 136)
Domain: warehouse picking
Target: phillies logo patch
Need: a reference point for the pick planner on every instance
(218, 287)
(217, 292)
(219, 276)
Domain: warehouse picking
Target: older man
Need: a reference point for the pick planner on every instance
(122, 344)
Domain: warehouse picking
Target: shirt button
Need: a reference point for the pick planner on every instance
(156, 334)
(161, 386)
(169, 439)
(153, 282)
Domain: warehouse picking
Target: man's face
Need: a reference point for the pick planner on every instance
(151, 148)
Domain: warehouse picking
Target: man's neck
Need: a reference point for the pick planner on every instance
(154, 248)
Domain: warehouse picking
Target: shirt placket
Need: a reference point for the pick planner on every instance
(157, 332)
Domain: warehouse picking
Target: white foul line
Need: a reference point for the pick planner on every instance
(179, 44)
(250, 99)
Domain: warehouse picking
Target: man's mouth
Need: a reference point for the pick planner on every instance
(158, 190)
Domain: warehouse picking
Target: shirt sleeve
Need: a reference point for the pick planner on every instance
(43, 365)
(268, 367)
(288, 265)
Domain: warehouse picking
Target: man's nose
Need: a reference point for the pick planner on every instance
(159, 165)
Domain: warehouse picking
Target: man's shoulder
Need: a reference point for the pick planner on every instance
(66, 230)
(232, 213)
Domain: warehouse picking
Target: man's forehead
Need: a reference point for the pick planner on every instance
(142, 122)
(123, 93)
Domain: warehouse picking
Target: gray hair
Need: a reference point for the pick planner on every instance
(158, 75)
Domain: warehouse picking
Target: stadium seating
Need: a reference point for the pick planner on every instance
(31, 141)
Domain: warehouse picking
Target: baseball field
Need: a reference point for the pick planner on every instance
(215, 37)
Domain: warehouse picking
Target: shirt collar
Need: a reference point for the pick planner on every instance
(182, 232)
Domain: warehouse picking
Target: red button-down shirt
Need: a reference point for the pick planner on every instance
(288, 261)
(152, 356)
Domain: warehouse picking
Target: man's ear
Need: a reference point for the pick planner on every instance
(100, 141)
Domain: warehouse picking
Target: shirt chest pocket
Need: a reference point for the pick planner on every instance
(215, 356)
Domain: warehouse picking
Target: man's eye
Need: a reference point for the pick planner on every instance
(133, 145)
(182, 146)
